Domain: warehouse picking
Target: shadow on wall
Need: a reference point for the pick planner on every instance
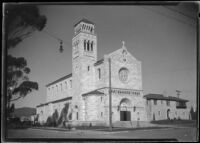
(58, 121)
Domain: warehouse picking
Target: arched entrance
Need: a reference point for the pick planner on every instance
(168, 112)
(125, 114)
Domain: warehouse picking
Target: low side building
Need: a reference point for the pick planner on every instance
(159, 107)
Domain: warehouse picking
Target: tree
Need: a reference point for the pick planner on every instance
(55, 118)
(63, 115)
(21, 20)
(17, 81)
(192, 113)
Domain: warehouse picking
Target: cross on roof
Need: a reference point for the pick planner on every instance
(123, 44)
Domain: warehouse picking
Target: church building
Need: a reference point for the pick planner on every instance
(86, 89)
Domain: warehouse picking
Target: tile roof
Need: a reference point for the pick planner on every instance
(55, 101)
(93, 92)
(60, 79)
(161, 97)
(83, 20)
(99, 62)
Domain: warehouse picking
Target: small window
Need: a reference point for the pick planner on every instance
(70, 83)
(161, 102)
(168, 103)
(101, 114)
(155, 102)
(101, 99)
(159, 113)
(99, 73)
(88, 68)
(57, 87)
(77, 115)
(65, 84)
(61, 86)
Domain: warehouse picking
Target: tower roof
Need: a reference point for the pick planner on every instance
(83, 20)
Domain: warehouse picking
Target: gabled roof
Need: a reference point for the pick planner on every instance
(99, 62)
(60, 79)
(92, 92)
(161, 97)
(83, 20)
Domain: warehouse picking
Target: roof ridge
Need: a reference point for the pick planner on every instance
(60, 79)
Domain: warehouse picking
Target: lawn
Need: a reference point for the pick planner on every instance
(175, 122)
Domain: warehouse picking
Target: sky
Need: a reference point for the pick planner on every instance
(161, 37)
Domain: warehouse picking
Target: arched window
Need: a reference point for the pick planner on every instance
(92, 46)
(85, 45)
(65, 84)
(57, 87)
(88, 46)
(61, 86)
(99, 73)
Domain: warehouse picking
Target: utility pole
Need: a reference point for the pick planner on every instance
(110, 96)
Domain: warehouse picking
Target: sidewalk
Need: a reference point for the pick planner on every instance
(101, 131)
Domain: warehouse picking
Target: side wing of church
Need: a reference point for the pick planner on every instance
(86, 89)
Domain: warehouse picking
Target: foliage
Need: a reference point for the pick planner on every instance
(63, 114)
(21, 20)
(17, 80)
(55, 118)
(49, 121)
(193, 114)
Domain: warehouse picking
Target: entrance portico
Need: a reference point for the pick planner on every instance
(125, 109)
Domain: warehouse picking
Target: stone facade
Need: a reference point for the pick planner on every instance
(87, 87)
(166, 108)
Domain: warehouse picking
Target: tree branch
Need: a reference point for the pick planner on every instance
(15, 99)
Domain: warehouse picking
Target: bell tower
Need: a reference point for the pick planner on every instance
(84, 55)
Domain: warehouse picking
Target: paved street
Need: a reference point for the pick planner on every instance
(182, 134)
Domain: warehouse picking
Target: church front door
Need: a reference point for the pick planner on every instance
(125, 115)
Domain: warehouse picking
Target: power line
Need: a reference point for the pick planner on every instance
(171, 17)
(55, 37)
(180, 12)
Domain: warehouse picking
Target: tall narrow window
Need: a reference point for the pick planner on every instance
(85, 45)
(88, 46)
(57, 88)
(99, 73)
(88, 68)
(77, 115)
(61, 87)
(65, 84)
(92, 46)
(155, 102)
(70, 83)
